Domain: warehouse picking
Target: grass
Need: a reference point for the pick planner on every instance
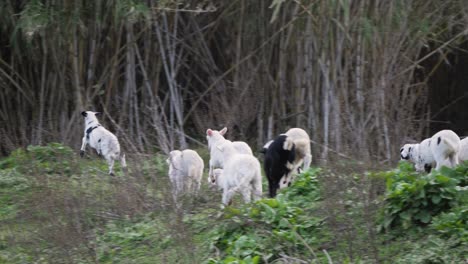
(58, 208)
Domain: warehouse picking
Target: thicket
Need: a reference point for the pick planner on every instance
(351, 73)
(58, 208)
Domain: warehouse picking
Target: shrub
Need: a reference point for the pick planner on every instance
(52, 158)
(414, 199)
(271, 229)
(453, 224)
(433, 249)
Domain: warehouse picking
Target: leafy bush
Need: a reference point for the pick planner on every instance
(453, 224)
(52, 158)
(414, 199)
(12, 185)
(433, 249)
(271, 228)
(148, 239)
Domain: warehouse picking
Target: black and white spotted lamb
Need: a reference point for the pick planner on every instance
(280, 155)
(102, 140)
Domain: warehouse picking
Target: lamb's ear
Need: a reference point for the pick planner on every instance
(223, 131)
(209, 132)
(97, 113)
(84, 113)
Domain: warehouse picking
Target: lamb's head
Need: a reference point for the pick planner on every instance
(173, 161)
(214, 136)
(90, 116)
(407, 151)
(174, 156)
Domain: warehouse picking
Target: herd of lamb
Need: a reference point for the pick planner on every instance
(234, 169)
(443, 149)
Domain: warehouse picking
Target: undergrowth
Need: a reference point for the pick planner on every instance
(58, 208)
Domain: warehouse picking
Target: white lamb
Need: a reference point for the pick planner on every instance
(185, 171)
(241, 173)
(463, 155)
(215, 141)
(242, 147)
(102, 140)
(445, 146)
(420, 154)
(302, 142)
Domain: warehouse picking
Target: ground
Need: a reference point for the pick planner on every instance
(58, 208)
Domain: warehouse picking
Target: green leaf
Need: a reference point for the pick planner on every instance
(256, 260)
(406, 215)
(273, 203)
(436, 199)
(424, 217)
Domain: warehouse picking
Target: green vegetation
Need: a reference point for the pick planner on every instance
(58, 208)
(413, 199)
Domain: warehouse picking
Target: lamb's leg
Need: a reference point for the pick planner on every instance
(454, 160)
(427, 168)
(179, 185)
(210, 171)
(273, 187)
(443, 162)
(307, 161)
(227, 196)
(123, 163)
(246, 194)
(440, 161)
(189, 184)
(257, 189)
(175, 193)
(419, 167)
(111, 165)
(198, 182)
(195, 177)
(83, 146)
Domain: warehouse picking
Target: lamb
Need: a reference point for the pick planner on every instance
(102, 140)
(445, 146)
(463, 155)
(420, 154)
(285, 181)
(215, 141)
(242, 147)
(303, 154)
(185, 171)
(279, 163)
(302, 143)
(241, 173)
